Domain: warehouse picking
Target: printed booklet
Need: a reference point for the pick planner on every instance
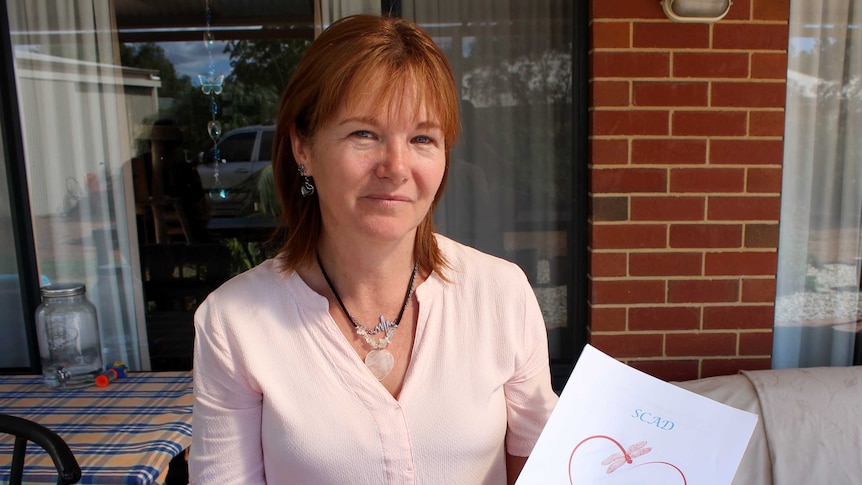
(617, 425)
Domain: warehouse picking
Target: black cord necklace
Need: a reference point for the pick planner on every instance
(379, 360)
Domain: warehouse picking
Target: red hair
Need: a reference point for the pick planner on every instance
(352, 54)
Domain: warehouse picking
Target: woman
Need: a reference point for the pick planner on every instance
(370, 350)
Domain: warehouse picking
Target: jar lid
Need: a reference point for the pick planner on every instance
(64, 289)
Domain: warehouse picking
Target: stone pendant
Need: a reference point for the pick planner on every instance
(380, 363)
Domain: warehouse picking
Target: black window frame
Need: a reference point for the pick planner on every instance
(22, 222)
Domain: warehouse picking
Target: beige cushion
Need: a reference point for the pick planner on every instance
(737, 391)
(813, 421)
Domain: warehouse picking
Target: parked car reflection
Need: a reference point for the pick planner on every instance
(233, 184)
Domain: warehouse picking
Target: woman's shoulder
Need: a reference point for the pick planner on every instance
(257, 281)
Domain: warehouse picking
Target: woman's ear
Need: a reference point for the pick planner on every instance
(301, 149)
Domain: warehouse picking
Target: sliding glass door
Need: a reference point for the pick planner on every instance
(147, 131)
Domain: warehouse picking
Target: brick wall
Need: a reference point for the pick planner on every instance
(685, 177)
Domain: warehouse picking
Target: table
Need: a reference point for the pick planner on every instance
(127, 432)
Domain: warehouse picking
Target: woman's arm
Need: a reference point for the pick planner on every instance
(529, 395)
(226, 418)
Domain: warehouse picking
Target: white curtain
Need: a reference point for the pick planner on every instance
(511, 168)
(76, 138)
(819, 253)
(510, 182)
(328, 11)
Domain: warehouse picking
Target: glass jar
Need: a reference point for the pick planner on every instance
(68, 333)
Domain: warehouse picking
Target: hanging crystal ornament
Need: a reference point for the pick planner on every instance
(212, 85)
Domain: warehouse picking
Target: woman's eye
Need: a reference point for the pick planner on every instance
(363, 134)
(422, 139)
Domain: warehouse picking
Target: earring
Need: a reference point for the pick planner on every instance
(307, 187)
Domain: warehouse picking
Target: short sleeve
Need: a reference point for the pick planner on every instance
(529, 395)
(226, 418)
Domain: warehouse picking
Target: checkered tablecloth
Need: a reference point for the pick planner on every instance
(125, 433)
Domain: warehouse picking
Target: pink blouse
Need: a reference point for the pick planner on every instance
(282, 398)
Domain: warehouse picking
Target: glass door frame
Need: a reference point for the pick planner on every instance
(22, 222)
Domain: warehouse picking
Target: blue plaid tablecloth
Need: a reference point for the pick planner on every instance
(125, 433)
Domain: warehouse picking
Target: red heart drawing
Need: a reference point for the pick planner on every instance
(626, 457)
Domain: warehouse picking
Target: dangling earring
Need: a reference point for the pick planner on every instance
(307, 188)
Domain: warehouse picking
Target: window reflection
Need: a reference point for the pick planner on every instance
(13, 344)
(210, 205)
(151, 223)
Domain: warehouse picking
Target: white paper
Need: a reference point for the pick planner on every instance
(617, 425)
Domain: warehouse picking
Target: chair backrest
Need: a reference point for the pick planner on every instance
(25, 430)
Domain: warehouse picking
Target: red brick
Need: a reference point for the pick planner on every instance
(607, 319)
(761, 236)
(668, 151)
(606, 209)
(628, 236)
(670, 35)
(758, 290)
(746, 152)
(750, 36)
(616, 180)
(709, 180)
(769, 65)
(628, 344)
(630, 122)
(764, 180)
(664, 318)
(700, 344)
(625, 9)
(748, 94)
(766, 123)
(755, 343)
(710, 65)
(663, 93)
(771, 10)
(668, 208)
(630, 64)
(741, 263)
(667, 370)
(609, 152)
(618, 292)
(739, 10)
(738, 317)
(610, 93)
(743, 208)
(705, 236)
(665, 264)
(724, 367)
(709, 123)
(607, 264)
(703, 291)
(611, 35)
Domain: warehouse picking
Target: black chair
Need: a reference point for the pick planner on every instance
(25, 430)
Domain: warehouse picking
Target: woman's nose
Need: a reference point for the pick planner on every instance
(394, 163)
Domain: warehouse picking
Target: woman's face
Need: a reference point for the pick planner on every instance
(376, 170)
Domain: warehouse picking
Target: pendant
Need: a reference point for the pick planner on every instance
(380, 363)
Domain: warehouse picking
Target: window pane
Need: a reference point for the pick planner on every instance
(76, 131)
(13, 344)
(817, 303)
(238, 148)
(266, 146)
(200, 222)
(510, 183)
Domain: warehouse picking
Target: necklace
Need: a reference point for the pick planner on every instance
(379, 360)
